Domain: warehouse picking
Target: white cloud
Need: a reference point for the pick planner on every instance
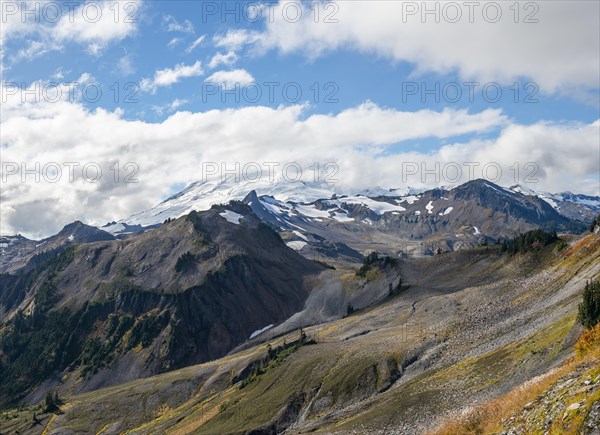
(194, 44)
(226, 59)
(173, 42)
(365, 141)
(229, 79)
(125, 65)
(169, 76)
(36, 48)
(59, 74)
(484, 51)
(173, 25)
(96, 34)
(237, 38)
(94, 27)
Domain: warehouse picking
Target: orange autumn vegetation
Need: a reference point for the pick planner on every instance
(487, 418)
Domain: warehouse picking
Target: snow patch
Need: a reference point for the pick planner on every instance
(299, 234)
(507, 192)
(296, 245)
(342, 217)
(429, 207)
(523, 189)
(260, 331)
(274, 206)
(114, 228)
(550, 201)
(311, 211)
(379, 207)
(231, 216)
(588, 202)
(409, 199)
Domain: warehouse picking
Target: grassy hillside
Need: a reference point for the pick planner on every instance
(470, 328)
(565, 400)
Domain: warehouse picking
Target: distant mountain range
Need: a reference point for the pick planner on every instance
(320, 222)
(304, 198)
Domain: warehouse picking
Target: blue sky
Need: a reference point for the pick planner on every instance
(163, 68)
(165, 31)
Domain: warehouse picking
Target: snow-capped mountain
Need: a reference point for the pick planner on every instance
(281, 200)
(331, 222)
(439, 218)
(572, 205)
(202, 195)
(325, 222)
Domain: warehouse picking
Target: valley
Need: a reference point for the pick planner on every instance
(220, 322)
(466, 327)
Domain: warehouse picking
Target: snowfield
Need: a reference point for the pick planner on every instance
(231, 216)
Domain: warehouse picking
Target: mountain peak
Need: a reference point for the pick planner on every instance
(480, 184)
(82, 233)
(250, 198)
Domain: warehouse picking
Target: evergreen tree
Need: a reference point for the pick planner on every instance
(302, 335)
(51, 405)
(595, 223)
(589, 309)
(530, 241)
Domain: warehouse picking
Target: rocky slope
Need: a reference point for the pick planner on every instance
(464, 328)
(437, 220)
(403, 211)
(323, 224)
(564, 400)
(94, 312)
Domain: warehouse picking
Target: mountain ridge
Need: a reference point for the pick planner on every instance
(423, 223)
(106, 311)
(199, 195)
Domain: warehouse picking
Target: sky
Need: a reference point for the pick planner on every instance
(109, 107)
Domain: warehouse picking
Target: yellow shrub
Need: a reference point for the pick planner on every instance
(588, 342)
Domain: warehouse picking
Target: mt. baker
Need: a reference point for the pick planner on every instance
(391, 220)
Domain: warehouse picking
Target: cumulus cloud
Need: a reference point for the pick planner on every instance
(169, 76)
(92, 25)
(367, 142)
(229, 79)
(226, 59)
(502, 51)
